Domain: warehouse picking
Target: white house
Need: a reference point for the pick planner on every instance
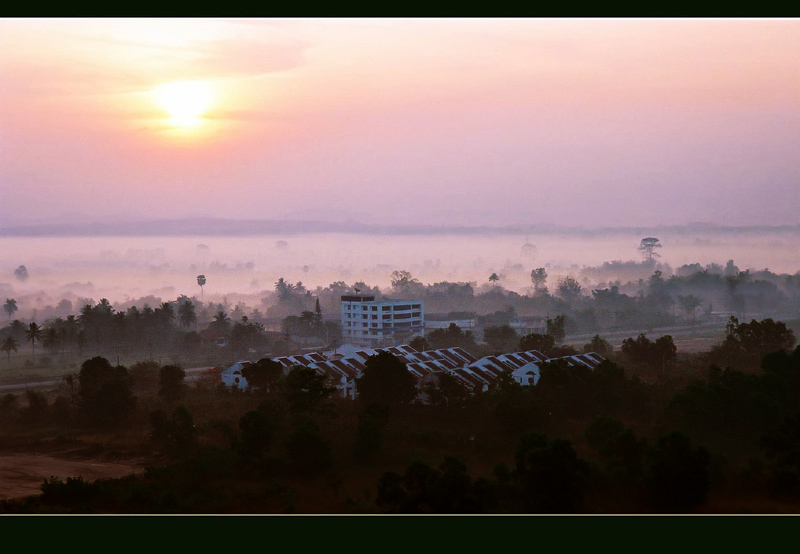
(233, 377)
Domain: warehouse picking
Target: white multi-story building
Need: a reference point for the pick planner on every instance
(369, 321)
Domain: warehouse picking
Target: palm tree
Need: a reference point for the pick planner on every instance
(186, 313)
(201, 280)
(50, 340)
(10, 307)
(8, 345)
(80, 340)
(17, 327)
(222, 322)
(167, 312)
(33, 334)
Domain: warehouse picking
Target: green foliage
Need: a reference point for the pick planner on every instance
(386, 380)
(599, 345)
(549, 476)
(623, 453)
(730, 403)
(446, 391)
(105, 395)
(648, 247)
(555, 328)
(424, 490)
(569, 289)
(258, 430)
(306, 392)
(539, 280)
(247, 336)
(171, 383)
(10, 307)
(10, 344)
(535, 341)
(36, 410)
(502, 338)
(369, 433)
(565, 391)
(513, 405)
(176, 434)
(678, 480)
(263, 376)
(420, 344)
(308, 451)
(9, 407)
(451, 337)
(74, 493)
(782, 448)
(402, 279)
(658, 354)
(746, 343)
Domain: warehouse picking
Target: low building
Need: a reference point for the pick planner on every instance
(475, 374)
(445, 323)
(370, 322)
(232, 377)
(529, 324)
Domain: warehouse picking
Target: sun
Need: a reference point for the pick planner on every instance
(185, 101)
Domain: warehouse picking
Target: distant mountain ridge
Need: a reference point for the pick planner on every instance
(234, 227)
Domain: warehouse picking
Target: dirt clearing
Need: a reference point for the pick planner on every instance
(22, 474)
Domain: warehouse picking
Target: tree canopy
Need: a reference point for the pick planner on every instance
(386, 380)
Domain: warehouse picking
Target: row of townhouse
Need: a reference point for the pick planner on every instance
(475, 374)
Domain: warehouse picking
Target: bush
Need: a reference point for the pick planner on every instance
(74, 492)
(308, 451)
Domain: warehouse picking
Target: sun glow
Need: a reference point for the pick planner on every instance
(185, 101)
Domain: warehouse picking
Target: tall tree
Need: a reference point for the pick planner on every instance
(222, 322)
(690, 303)
(201, 280)
(283, 288)
(263, 375)
(105, 394)
(556, 328)
(50, 340)
(307, 392)
(171, 383)
(21, 273)
(186, 314)
(568, 288)
(386, 380)
(33, 334)
(402, 279)
(9, 344)
(166, 313)
(10, 307)
(648, 247)
(501, 338)
(539, 279)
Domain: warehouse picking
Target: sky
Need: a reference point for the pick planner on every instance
(477, 122)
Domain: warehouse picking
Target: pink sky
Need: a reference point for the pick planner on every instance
(430, 121)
